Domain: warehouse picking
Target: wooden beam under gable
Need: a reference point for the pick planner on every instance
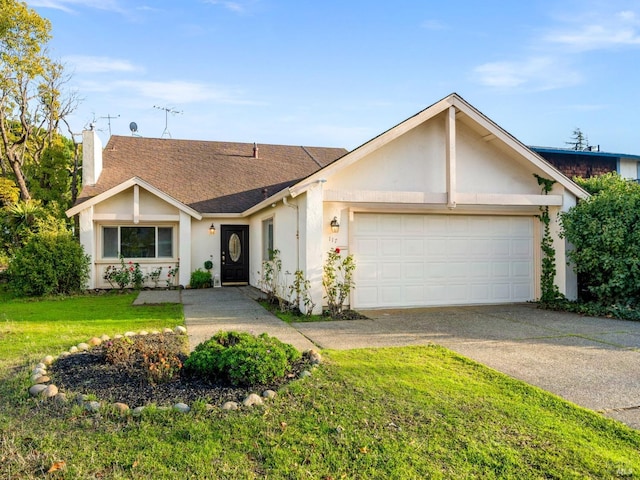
(136, 204)
(450, 127)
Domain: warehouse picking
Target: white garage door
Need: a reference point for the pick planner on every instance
(423, 260)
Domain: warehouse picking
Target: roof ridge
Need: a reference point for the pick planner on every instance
(311, 156)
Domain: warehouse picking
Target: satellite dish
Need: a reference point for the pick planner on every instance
(133, 126)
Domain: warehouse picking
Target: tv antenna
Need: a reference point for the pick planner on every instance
(167, 111)
(109, 118)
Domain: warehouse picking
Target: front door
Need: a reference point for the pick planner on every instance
(234, 254)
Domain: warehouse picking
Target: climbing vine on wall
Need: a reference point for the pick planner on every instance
(548, 287)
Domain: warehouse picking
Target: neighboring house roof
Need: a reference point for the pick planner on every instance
(466, 113)
(209, 177)
(583, 163)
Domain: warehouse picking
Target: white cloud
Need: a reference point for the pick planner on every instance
(237, 6)
(180, 92)
(536, 73)
(70, 5)
(598, 31)
(89, 64)
(434, 25)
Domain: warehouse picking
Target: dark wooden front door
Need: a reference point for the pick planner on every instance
(234, 254)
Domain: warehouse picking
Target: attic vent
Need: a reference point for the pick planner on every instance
(255, 150)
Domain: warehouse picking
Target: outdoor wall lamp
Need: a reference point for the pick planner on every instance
(212, 229)
(335, 226)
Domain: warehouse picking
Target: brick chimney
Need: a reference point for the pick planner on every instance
(91, 157)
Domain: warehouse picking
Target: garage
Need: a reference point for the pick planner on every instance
(411, 260)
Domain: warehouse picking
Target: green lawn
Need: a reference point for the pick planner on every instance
(396, 413)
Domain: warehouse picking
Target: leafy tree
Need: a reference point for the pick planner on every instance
(32, 103)
(578, 141)
(20, 221)
(9, 193)
(605, 231)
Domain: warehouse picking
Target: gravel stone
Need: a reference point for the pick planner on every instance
(36, 390)
(92, 406)
(269, 394)
(40, 379)
(252, 399)
(50, 391)
(121, 408)
(137, 411)
(182, 407)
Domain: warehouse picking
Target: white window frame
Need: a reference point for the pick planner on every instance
(268, 238)
(174, 244)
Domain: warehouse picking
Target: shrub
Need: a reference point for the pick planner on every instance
(242, 359)
(119, 351)
(159, 355)
(605, 231)
(49, 263)
(337, 280)
(200, 279)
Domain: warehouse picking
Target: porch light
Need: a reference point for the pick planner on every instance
(335, 226)
(212, 229)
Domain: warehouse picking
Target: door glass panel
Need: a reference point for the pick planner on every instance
(234, 247)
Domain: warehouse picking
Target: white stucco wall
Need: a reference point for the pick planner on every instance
(483, 168)
(414, 162)
(628, 168)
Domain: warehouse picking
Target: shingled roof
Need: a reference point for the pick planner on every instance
(210, 177)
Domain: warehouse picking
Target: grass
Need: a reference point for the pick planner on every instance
(395, 413)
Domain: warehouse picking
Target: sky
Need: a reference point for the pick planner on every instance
(338, 73)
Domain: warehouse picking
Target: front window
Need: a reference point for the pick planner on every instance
(137, 242)
(267, 239)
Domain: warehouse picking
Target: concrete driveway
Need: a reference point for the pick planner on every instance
(593, 362)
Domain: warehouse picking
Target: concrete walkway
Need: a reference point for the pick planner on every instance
(593, 362)
(208, 311)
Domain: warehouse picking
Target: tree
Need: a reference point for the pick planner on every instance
(32, 103)
(605, 233)
(579, 140)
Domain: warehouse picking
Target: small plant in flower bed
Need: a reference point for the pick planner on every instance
(160, 359)
(242, 359)
(200, 279)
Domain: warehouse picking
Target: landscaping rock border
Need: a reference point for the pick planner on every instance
(41, 386)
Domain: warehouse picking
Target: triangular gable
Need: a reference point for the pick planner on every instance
(491, 131)
(126, 185)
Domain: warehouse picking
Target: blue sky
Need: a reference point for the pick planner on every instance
(338, 73)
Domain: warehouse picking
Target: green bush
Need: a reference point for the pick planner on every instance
(605, 231)
(242, 359)
(200, 279)
(49, 263)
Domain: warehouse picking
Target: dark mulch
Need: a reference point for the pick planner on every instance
(89, 373)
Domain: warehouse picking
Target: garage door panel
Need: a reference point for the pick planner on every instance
(391, 272)
(480, 270)
(421, 260)
(414, 270)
